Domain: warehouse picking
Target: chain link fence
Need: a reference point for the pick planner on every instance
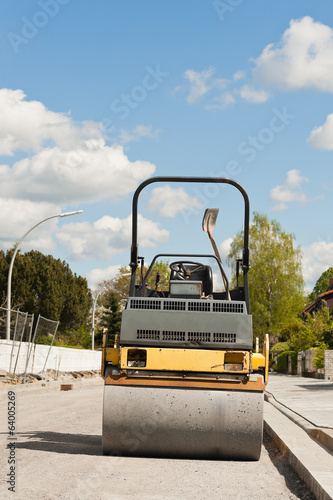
(45, 328)
(21, 326)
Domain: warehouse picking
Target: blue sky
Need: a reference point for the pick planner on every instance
(98, 96)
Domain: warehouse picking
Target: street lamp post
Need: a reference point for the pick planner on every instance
(9, 283)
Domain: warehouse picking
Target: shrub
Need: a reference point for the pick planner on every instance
(47, 340)
(281, 347)
(282, 361)
(80, 339)
(318, 360)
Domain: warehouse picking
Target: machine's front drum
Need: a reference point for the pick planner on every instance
(183, 423)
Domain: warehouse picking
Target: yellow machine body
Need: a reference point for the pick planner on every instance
(185, 360)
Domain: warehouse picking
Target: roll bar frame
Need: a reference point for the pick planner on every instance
(198, 180)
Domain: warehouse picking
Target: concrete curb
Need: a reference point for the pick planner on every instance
(322, 435)
(43, 386)
(311, 462)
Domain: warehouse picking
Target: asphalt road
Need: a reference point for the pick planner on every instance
(58, 455)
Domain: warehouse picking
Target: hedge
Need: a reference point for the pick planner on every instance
(282, 361)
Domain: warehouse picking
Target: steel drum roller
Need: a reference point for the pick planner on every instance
(182, 422)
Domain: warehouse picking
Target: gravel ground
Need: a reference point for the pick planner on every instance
(58, 456)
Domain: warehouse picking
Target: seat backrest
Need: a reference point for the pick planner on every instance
(205, 276)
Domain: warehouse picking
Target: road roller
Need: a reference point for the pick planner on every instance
(185, 378)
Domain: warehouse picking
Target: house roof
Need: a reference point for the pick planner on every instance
(323, 296)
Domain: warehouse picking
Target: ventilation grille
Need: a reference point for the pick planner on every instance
(229, 338)
(209, 306)
(174, 305)
(202, 306)
(228, 307)
(148, 334)
(171, 335)
(145, 304)
(178, 336)
(198, 336)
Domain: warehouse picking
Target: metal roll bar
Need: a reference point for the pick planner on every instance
(198, 180)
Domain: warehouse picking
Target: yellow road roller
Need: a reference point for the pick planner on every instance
(183, 380)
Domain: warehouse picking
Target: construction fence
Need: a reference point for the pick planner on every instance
(22, 354)
(21, 333)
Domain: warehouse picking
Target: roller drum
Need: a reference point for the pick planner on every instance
(182, 423)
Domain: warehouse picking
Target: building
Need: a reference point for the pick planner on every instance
(324, 299)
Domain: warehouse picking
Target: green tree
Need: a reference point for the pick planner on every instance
(302, 339)
(111, 317)
(327, 334)
(280, 347)
(44, 285)
(293, 328)
(121, 282)
(321, 324)
(322, 284)
(275, 276)
(297, 335)
(314, 331)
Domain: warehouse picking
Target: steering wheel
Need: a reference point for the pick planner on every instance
(185, 273)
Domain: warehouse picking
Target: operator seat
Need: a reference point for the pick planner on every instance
(205, 276)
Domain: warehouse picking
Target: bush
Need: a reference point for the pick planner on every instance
(281, 347)
(47, 340)
(80, 339)
(318, 360)
(282, 361)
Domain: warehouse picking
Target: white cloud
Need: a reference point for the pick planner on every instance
(57, 163)
(322, 137)
(96, 276)
(198, 83)
(108, 236)
(168, 201)
(288, 192)
(302, 59)
(250, 94)
(221, 101)
(201, 83)
(294, 178)
(239, 75)
(138, 132)
(90, 172)
(18, 216)
(219, 83)
(28, 125)
(247, 93)
(72, 162)
(227, 98)
(225, 248)
(317, 258)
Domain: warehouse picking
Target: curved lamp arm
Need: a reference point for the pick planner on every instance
(9, 283)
